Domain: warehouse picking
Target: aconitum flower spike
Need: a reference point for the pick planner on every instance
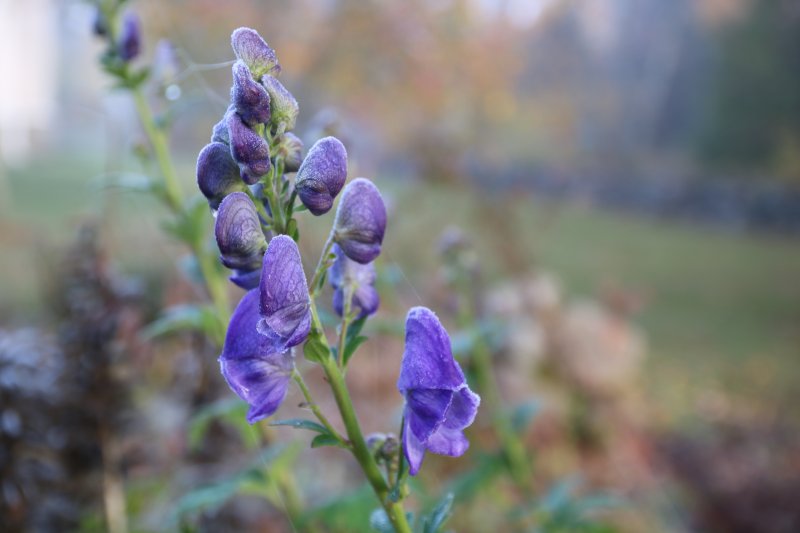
(248, 96)
(248, 149)
(251, 49)
(130, 37)
(360, 221)
(238, 232)
(285, 306)
(345, 272)
(253, 371)
(322, 175)
(283, 106)
(291, 149)
(217, 173)
(439, 403)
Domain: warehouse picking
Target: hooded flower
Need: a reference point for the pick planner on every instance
(254, 52)
(248, 149)
(439, 404)
(345, 272)
(285, 306)
(220, 131)
(238, 232)
(283, 106)
(256, 373)
(248, 96)
(217, 173)
(130, 37)
(322, 175)
(360, 221)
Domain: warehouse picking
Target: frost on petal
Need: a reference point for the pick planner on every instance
(282, 103)
(251, 49)
(291, 149)
(284, 300)
(217, 173)
(322, 175)
(238, 232)
(427, 360)
(360, 221)
(248, 149)
(249, 97)
(256, 374)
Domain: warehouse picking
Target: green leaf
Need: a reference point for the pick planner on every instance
(315, 349)
(301, 423)
(326, 440)
(187, 317)
(354, 339)
(434, 522)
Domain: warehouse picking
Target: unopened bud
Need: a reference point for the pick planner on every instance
(250, 48)
(282, 104)
(249, 97)
(322, 175)
(360, 221)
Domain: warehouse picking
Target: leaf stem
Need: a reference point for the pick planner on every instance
(298, 378)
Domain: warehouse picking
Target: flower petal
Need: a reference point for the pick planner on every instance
(360, 221)
(427, 360)
(427, 410)
(413, 449)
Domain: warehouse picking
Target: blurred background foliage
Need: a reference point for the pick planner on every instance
(643, 156)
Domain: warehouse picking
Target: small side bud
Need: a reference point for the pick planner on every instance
(249, 97)
(360, 221)
(250, 48)
(217, 173)
(129, 44)
(291, 149)
(282, 104)
(322, 175)
(248, 149)
(238, 232)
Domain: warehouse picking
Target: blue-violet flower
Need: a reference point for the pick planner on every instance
(238, 232)
(248, 149)
(360, 278)
(322, 175)
(360, 221)
(250, 48)
(217, 173)
(248, 96)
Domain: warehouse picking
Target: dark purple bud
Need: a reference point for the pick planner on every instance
(245, 279)
(322, 175)
(238, 232)
(285, 307)
(291, 149)
(217, 173)
(359, 278)
(248, 149)
(283, 106)
(439, 403)
(251, 49)
(249, 97)
(360, 221)
(253, 371)
(130, 37)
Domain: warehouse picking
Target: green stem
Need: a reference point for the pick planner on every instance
(348, 299)
(315, 408)
(322, 266)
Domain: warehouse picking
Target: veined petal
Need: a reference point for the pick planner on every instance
(413, 449)
(428, 359)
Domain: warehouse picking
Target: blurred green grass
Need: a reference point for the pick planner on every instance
(722, 310)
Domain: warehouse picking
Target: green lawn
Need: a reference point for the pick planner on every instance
(722, 310)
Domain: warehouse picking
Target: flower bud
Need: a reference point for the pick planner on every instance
(250, 48)
(248, 149)
(291, 149)
(322, 175)
(217, 173)
(238, 232)
(360, 221)
(220, 131)
(249, 97)
(130, 37)
(282, 104)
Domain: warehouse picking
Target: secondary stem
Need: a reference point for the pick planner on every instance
(314, 407)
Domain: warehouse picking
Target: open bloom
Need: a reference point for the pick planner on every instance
(256, 373)
(322, 175)
(439, 403)
(360, 221)
(285, 306)
(360, 278)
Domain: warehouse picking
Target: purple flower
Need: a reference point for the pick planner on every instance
(439, 404)
(217, 173)
(291, 149)
(249, 97)
(283, 106)
(360, 221)
(238, 232)
(248, 149)
(220, 131)
(322, 175)
(130, 37)
(254, 52)
(285, 306)
(246, 279)
(345, 272)
(256, 373)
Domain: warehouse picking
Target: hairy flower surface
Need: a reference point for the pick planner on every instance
(439, 403)
(285, 305)
(248, 149)
(254, 52)
(217, 173)
(249, 97)
(322, 175)
(238, 232)
(256, 373)
(360, 221)
(130, 37)
(283, 106)
(345, 272)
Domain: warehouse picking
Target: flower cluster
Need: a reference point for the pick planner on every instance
(245, 174)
